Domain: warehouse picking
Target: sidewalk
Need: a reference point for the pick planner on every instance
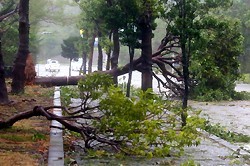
(234, 116)
(214, 151)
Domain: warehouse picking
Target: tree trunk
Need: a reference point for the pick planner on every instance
(131, 57)
(84, 62)
(70, 61)
(100, 54)
(29, 71)
(3, 89)
(23, 49)
(73, 80)
(116, 52)
(91, 46)
(109, 53)
(146, 53)
(185, 62)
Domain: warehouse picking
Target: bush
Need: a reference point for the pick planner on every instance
(241, 95)
(245, 78)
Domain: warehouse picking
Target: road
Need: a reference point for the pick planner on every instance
(64, 71)
(136, 77)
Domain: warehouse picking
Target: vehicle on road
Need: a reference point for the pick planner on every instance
(52, 66)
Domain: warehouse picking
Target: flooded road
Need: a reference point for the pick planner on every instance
(242, 87)
(234, 115)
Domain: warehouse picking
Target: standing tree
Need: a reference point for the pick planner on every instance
(146, 26)
(69, 49)
(19, 75)
(7, 11)
(188, 22)
(84, 47)
(3, 89)
(241, 11)
(89, 22)
(130, 35)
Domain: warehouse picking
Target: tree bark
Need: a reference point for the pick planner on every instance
(84, 62)
(73, 80)
(109, 54)
(100, 54)
(116, 52)
(185, 62)
(18, 81)
(3, 89)
(91, 46)
(146, 47)
(9, 13)
(70, 63)
(131, 57)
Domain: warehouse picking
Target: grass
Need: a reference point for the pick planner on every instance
(27, 141)
(16, 138)
(229, 136)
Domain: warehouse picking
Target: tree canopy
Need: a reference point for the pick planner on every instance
(198, 51)
(69, 48)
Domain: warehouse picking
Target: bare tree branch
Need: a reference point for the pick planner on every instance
(5, 16)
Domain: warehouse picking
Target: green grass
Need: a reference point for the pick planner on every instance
(16, 138)
(245, 78)
(229, 136)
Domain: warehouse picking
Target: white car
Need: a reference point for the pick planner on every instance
(52, 65)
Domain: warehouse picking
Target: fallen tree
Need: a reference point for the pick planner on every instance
(107, 120)
(164, 60)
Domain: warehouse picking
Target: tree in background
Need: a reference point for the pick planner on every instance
(83, 46)
(214, 63)
(10, 35)
(199, 30)
(112, 15)
(185, 25)
(69, 49)
(241, 10)
(9, 30)
(89, 22)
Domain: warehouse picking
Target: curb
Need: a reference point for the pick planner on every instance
(56, 152)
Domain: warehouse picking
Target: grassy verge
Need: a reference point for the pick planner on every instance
(229, 136)
(26, 142)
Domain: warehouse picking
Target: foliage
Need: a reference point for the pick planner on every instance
(241, 95)
(245, 78)
(9, 45)
(221, 132)
(9, 28)
(38, 136)
(68, 92)
(199, 28)
(8, 32)
(190, 163)
(69, 48)
(215, 69)
(202, 34)
(144, 124)
(240, 10)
